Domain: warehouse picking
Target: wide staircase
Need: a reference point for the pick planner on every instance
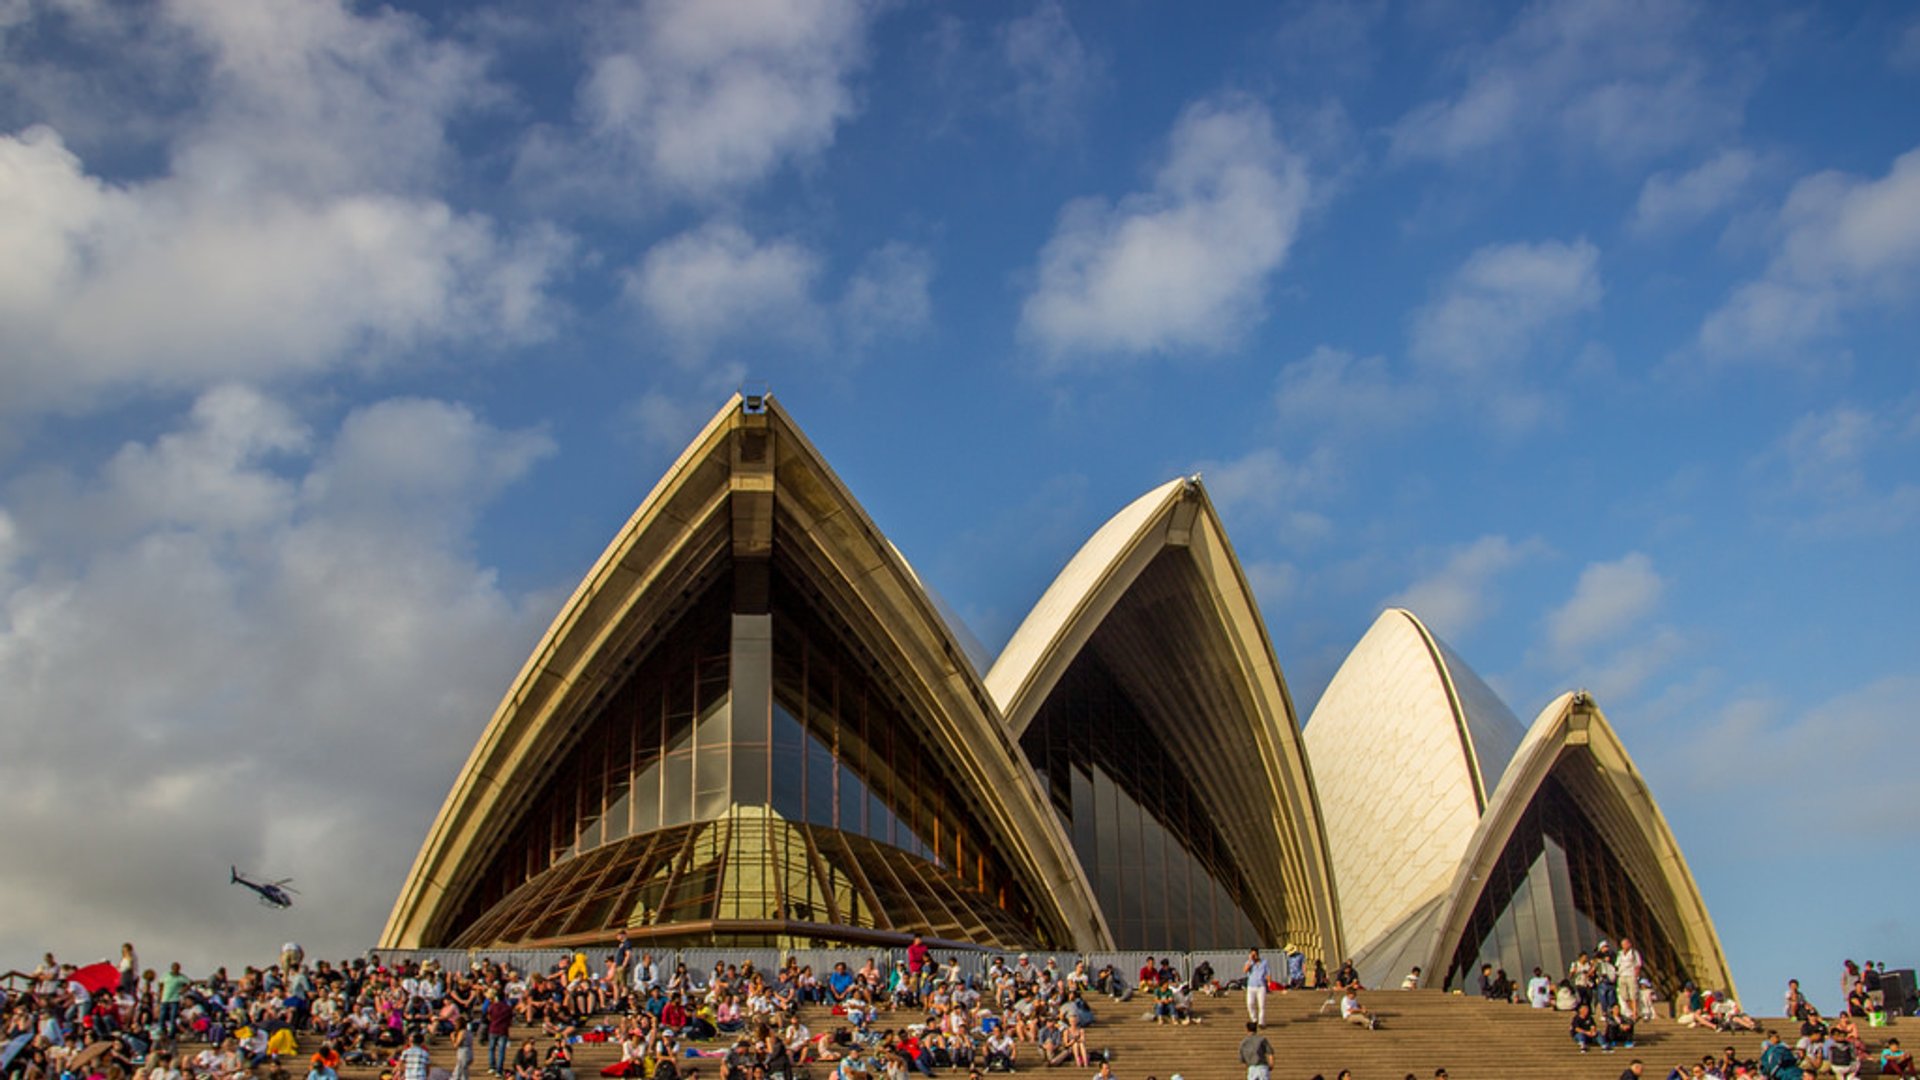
(1419, 1031)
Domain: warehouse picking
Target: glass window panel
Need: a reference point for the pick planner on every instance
(789, 766)
(853, 801)
(749, 775)
(619, 814)
(677, 803)
(819, 783)
(646, 798)
(711, 767)
(712, 729)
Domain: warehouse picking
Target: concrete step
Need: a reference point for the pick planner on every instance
(1420, 1031)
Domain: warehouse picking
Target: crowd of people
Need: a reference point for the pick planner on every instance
(742, 1023)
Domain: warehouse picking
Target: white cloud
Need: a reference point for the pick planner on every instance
(1455, 596)
(290, 675)
(1846, 244)
(1842, 472)
(1183, 266)
(1620, 80)
(1331, 387)
(1868, 729)
(1631, 665)
(1608, 599)
(282, 238)
(1905, 54)
(1501, 301)
(309, 96)
(717, 285)
(692, 100)
(1264, 481)
(1055, 74)
(887, 297)
(1669, 203)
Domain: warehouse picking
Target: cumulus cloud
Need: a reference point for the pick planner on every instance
(1501, 301)
(1846, 244)
(1457, 594)
(687, 100)
(1265, 486)
(717, 282)
(1055, 74)
(1183, 265)
(1609, 598)
(1671, 202)
(298, 652)
(1620, 80)
(285, 235)
(718, 285)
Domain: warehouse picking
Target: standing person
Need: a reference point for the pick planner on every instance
(129, 968)
(414, 1060)
(499, 1015)
(462, 1049)
(1256, 970)
(622, 967)
(1627, 967)
(172, 986)
(1256, 1053)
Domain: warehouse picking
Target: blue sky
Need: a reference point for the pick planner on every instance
(337, 339)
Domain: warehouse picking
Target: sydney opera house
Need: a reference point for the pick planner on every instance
(753, 725)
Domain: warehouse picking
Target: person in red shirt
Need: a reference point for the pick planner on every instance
(499, 1016)
(1149, 975)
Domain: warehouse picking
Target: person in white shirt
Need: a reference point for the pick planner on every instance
(1540, 990)
(1626, 971)
(1355, 1013)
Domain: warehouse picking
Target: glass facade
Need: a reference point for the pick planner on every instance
(751, 877)
(1162, 873)
(684, 802)
(1559, 889)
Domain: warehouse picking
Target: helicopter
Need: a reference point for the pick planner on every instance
(276, 894)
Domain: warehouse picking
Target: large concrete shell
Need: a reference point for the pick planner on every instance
(1194, 655)
(1406, 745)
(1571, 745)
(748, 477)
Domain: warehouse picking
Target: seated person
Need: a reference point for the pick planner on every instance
(1585, 1032)
(1776, 1059)
(1843, 1058)
(1162, 1003)
(1204, 980)
(526, 1062)
(1002, 1051)
(1619, 1031)
(1895, 1061)
(1353, 1012)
